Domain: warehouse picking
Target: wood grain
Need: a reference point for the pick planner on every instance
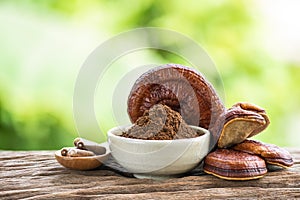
(37, 175)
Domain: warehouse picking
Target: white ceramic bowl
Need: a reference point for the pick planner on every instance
(158, 159)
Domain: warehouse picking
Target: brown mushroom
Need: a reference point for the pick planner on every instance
(186, 91)
(242, 120)
(189, 93)
(182, 89)
(234, 165)
(270, 152)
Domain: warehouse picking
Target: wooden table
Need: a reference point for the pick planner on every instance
(37, 175)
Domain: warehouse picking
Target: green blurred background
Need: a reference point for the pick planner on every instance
(255, 46)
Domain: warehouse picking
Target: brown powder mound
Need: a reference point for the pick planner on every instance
(160, 123)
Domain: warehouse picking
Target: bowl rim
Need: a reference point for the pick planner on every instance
(110, 134)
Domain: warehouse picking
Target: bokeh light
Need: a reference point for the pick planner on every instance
(255, 45)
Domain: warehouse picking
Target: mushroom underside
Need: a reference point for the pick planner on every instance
(237, 130)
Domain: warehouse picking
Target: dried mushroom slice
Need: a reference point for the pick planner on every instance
(183, 90)
(270, 152)
(242, 120)
(234, 165)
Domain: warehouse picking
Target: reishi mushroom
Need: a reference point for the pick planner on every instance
(234, 165)
(242, 120)
(186, 91)
(182, 89)
(271, 153)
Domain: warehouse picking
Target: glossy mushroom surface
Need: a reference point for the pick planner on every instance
(242, 120)
(183, 90)
(234, 165)
(270, 152)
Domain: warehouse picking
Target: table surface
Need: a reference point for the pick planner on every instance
(37, 175)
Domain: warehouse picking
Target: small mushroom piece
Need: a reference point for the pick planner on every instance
(242, 120)
(234, 165)
(85, 144)
(271, 153)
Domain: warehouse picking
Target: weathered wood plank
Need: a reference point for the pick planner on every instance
(37, 175)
